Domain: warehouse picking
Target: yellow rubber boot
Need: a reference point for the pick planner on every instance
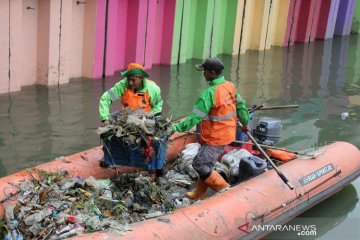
(216, 181)
(199, 192)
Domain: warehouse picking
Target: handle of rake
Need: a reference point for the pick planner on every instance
(277, 107)
(256, 108)
(276, 148)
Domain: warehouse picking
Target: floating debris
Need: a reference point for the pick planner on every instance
(344, 115)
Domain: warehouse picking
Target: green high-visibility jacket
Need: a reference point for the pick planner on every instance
(204, 104)
(116, 92)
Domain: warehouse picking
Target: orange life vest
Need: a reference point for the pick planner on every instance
(219, 126)
(136, 100)
(281, 155)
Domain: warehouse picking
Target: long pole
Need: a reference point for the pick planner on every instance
(267, 146)
(275, 148)
(262, 107)
(281, 175)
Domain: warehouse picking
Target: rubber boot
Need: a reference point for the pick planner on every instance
(216, 181)
(199, 192)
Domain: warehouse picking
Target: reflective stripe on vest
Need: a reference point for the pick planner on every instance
(112, 95)
(220, 118)
(199, 113)
(219, 125)
(239, 99)
(213, 118)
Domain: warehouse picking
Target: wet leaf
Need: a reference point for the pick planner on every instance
(107, 213)
(42, 196)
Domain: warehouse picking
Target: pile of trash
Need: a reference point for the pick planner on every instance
(228, 166)
(54, 206)
(132, 127)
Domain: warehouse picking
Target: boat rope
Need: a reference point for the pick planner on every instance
(9, 195)
(297, 197)
(112, 159)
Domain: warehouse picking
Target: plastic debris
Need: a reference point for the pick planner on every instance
(232, 160)
(344, 115)
(53, 206)
(129, 126)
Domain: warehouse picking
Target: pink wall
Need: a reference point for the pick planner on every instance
(138, 31)
(324, 10)
(43, 38)
(111, 38)
(158, 34)
(54, 43)
(141, 32)
(305, 20)
(163, 36)
(121, 35)
(4, 47)
(99, 39)
(292, 23)
(131, 32)
(149, 37)
(15, 45)
(53, 32)
(316, 19)
(28, 51)
(66, 42)
(168, 32)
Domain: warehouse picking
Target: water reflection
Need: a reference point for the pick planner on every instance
(186, 84)
(326, 216)
(323, 77)
(40, 124)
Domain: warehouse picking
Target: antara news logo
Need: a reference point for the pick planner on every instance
(299, 229)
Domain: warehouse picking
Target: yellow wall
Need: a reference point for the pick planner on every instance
(278, 22)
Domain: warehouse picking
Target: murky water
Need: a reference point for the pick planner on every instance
(39, 124)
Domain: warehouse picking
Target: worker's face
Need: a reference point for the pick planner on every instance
(135, 82)
(209, 74)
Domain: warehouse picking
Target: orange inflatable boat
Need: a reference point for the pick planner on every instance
(238, 213)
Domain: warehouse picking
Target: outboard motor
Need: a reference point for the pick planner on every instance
(268, 131)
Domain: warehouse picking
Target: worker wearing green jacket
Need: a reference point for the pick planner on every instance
(135, 92)
(216, 110)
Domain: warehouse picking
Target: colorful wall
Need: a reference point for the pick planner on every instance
(48, 42)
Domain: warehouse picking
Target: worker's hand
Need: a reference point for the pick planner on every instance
(104, 123)
(170, 131)
(245, 128)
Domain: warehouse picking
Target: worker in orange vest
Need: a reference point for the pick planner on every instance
(134, 91)
(216, 110)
